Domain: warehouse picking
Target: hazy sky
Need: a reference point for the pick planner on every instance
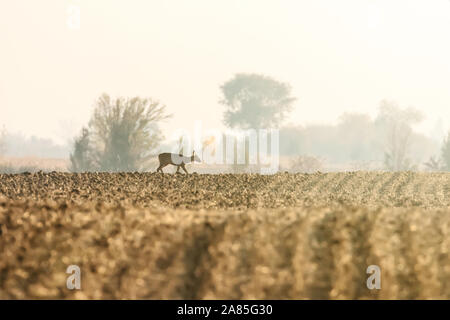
(339, 56)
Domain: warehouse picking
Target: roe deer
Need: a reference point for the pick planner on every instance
(175, 159)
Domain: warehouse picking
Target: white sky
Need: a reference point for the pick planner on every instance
(339, 56)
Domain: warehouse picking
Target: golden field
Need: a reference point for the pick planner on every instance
(226, 236)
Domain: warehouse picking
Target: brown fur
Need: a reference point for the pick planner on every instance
(175, 159)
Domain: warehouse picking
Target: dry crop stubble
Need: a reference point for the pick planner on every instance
(227, 236)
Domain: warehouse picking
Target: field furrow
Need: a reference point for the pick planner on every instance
(226, 236)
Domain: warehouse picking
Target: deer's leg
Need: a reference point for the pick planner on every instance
(178, 169)
(184, 168)
(160, 168)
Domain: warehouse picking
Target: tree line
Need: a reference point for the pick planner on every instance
(123, 134)
(385, 142)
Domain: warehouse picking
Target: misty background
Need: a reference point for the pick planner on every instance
(352, 65)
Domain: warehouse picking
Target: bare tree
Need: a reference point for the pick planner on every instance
(2, 141)
(82, 158)
(445, 153)
(122, 135)
(396, 124)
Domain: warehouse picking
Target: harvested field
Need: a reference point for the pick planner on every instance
(32, 164)
(283, 236)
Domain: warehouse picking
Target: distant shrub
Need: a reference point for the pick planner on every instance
(442, 163)
(12, 169)
(307, 164)
(433, 164)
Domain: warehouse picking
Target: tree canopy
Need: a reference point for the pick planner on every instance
(255, 101)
